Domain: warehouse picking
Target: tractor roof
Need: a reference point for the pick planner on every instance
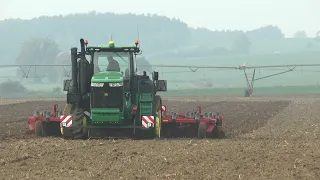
(112, 48)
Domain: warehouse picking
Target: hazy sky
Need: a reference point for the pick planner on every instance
(289, 15)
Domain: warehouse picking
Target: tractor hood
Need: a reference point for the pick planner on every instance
(107, 77)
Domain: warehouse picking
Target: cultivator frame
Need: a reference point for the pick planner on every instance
(189, 124)
(195, 123)
(45, 123)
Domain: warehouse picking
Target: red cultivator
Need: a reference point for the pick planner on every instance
(45, 123)
(192, 124)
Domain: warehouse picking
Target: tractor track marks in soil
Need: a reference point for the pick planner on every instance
(268, 139)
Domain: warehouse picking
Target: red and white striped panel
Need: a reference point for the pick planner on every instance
(147, 121)
(164, 108)
(66, 121)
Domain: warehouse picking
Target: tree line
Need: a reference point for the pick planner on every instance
(156, 33)
(41, 40)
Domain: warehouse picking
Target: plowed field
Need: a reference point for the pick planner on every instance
(268, 138)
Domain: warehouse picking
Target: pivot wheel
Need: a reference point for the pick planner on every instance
(246, 93)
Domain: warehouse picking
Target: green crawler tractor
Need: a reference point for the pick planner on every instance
(106, 97)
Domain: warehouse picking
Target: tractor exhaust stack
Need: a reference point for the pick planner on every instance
(74, 70)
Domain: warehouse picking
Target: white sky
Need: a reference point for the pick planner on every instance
(289, 15)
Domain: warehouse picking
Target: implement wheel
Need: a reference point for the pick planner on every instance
(38, 128)
(218, 133)
(202, 130)
(218, 130)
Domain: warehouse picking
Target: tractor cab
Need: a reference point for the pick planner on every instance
(112, 83)
(112, 59)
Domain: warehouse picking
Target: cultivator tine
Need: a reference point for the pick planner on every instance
(174, 116)
(59, 113)
(205, 115)
(199, 109)
(36, 114)
(197, 116)
(171, 114)
(48, 115)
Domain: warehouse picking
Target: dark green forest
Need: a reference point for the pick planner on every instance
(41, 40)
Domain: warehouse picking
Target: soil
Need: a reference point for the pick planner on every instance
(268, 138)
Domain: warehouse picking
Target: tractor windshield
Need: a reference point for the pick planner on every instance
(111, 61)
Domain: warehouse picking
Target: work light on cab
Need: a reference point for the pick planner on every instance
(111, 44)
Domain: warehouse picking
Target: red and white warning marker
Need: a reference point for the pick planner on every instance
(164, 108)
(147, 121)
(65, 121)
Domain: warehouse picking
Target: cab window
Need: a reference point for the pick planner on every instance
(111, 60)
